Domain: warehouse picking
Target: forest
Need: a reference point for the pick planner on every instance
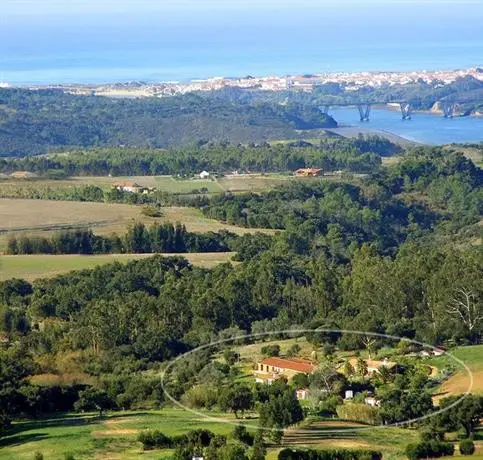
(39, 121)
(361, 155)
(397, 254)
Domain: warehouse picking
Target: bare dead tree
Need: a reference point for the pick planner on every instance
(464, 306)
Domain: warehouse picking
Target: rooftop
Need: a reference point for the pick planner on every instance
(293, 364)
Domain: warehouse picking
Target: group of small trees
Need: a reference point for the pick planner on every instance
(138, 239)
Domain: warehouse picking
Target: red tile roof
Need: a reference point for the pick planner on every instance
(293, 364)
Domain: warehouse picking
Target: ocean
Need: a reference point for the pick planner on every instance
(42, 46)
(147, 41)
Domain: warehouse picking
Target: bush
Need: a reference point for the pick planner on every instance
(294, 350)
(241, 434)
(154, 439)
(151, 211)
(467, 447)
(271, 350)
(329, 454)
(431, 449)
(38, 456)
(359, 413)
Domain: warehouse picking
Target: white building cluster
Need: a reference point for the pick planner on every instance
(348, 80)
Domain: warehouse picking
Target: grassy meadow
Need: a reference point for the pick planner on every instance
(113, 437)
(32, 267)
(42, 217)
(458, 383)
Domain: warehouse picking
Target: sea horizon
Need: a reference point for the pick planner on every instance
(156, 43)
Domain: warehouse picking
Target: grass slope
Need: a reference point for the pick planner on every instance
(114, 437)
(458, 383)
(43, 217)
(32, 267)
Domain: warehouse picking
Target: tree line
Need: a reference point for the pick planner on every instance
(138, 239)
(360, 155)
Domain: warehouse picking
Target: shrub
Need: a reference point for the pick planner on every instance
(431, 449)
(151, 439)
(467, 447)
(38, 456)
(329, 454)
(241, 434)
(294, 350)
(271, 350)
(359, 413)
(151, 211)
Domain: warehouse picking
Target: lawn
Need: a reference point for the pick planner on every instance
(42, 217)
(88, 437)
(32, 267)
(114, 436)
(458, 383)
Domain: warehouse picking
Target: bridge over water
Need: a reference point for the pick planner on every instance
(406, 107)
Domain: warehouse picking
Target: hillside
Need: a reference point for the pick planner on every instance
(33, 122)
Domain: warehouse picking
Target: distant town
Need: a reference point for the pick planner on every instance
(350, 82)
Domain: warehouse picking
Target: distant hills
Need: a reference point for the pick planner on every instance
(39, 121)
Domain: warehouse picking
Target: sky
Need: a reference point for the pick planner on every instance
(91, 7)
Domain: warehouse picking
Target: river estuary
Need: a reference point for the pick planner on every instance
(426, 128)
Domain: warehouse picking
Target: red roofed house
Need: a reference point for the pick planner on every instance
(271, 368)
(130, 187)
(308, 172)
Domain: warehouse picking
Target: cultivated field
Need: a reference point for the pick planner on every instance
(32, 267)
(42, 217)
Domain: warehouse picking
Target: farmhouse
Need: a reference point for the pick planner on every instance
(287, 367)
(308, 172)
(204, 175)
(130, 187)
(23, 175)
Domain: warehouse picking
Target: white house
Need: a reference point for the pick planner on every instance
(130, 187)
(204, 175)
(302, 394)
(371, 401)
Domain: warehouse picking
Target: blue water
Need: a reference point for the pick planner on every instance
(423, 127)
(94, 41)
(83, 41)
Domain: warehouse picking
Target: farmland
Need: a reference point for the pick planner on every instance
(87, 436)
(39, 217)
(32, 267)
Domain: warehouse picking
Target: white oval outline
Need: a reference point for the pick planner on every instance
(305, 331)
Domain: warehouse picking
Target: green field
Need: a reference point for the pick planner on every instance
(458, 383)
(87, 436)
(32, 267)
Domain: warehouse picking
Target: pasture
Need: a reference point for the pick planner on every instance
(87, 436)
(458, 383)
(42, 217)
(236, 183)
(32, 267)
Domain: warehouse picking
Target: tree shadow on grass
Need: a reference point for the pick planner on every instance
(16, 440)
(70, 419)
